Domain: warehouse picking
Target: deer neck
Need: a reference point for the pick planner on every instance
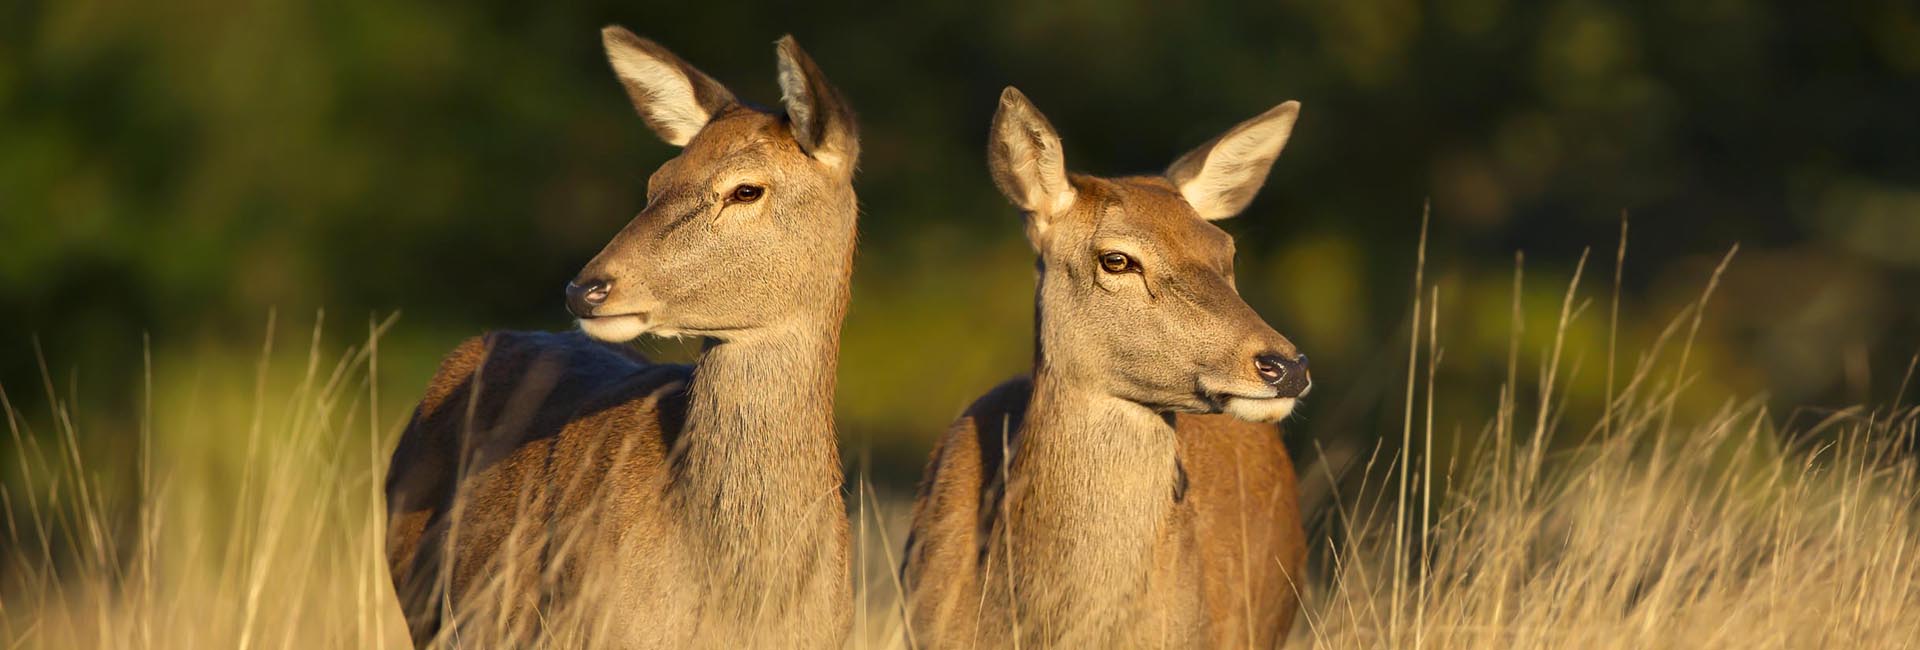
(757, 470)
(1090, 491)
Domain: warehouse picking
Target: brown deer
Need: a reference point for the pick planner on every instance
(554, 484)
(1097, 504)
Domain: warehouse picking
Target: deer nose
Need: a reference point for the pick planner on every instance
(1288, 377)
(585, 295)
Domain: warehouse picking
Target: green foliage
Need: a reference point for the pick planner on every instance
(179, 168)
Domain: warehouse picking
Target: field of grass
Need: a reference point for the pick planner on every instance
(1641, 527)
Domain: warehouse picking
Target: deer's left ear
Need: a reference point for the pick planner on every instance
(1221, 177)
(821, 121)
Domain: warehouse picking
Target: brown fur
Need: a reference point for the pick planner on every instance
(553, 488)
(1104, 503)
(571, 450)
(1237, 522)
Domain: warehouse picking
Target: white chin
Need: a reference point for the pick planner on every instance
(614, 329)
(1260, 410)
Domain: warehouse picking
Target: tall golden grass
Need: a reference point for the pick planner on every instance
(258, 517)
(288, 552)
(1654, 530)
(1726, 532)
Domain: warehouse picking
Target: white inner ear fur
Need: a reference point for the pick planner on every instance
(1037, 160)
(793, 92)
(670, 104)
(1237, 165)
(1063, 199)
(798, 99)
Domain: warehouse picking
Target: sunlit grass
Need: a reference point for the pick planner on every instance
(257, 517)
(1650, 531)
(253, 524)
(1710, 537)
(257, 521)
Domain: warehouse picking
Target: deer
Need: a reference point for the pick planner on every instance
(559, 488)
(1133, 490)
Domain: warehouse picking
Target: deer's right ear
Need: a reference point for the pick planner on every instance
(1024, 155)
(821, 122)
(675, 99)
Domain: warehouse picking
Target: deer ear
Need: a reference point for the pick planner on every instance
(1025, 158)
(1221, 177)
(675, 99)
(821, 122)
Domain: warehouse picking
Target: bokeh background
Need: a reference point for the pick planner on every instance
(171, 172)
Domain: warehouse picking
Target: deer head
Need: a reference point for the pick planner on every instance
(749, 228)
(1137, 298)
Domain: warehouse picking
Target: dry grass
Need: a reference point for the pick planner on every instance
(1721, 532)
(1727, 532)
(257, 520)
(286, 553)
(1712, 537)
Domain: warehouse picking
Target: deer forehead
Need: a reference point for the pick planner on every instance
(1149, 212)
(743, 130)
(741, 144)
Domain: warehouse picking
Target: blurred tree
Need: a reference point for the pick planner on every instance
(180, 167)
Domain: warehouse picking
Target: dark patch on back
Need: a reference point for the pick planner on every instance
(1179, 480)
(996, 423)
(492, 396)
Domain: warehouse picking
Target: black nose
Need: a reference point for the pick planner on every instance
(1287, 376)
(584, 295)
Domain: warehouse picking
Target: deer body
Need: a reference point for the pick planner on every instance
(562, 489)
(1159, 548)
(590, 511)
(1103, 502)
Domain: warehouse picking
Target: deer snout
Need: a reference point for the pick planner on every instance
(586, 295)
(1287, 376)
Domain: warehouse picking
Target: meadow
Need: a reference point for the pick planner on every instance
(236, 237)
(255, 518)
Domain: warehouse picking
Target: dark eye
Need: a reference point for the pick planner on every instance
(747, 194)
(1113, 262)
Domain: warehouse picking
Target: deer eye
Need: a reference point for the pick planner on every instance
(747, 194)
(1112, 262)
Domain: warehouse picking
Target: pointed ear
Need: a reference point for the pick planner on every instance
(1025, 158)
(821, 121)
(1221, 177)
(675, 99)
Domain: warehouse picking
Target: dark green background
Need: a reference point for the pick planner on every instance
(178, 168)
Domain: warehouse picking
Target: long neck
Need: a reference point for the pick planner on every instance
(1105, 462)
(1090, 490)
(757, 473)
